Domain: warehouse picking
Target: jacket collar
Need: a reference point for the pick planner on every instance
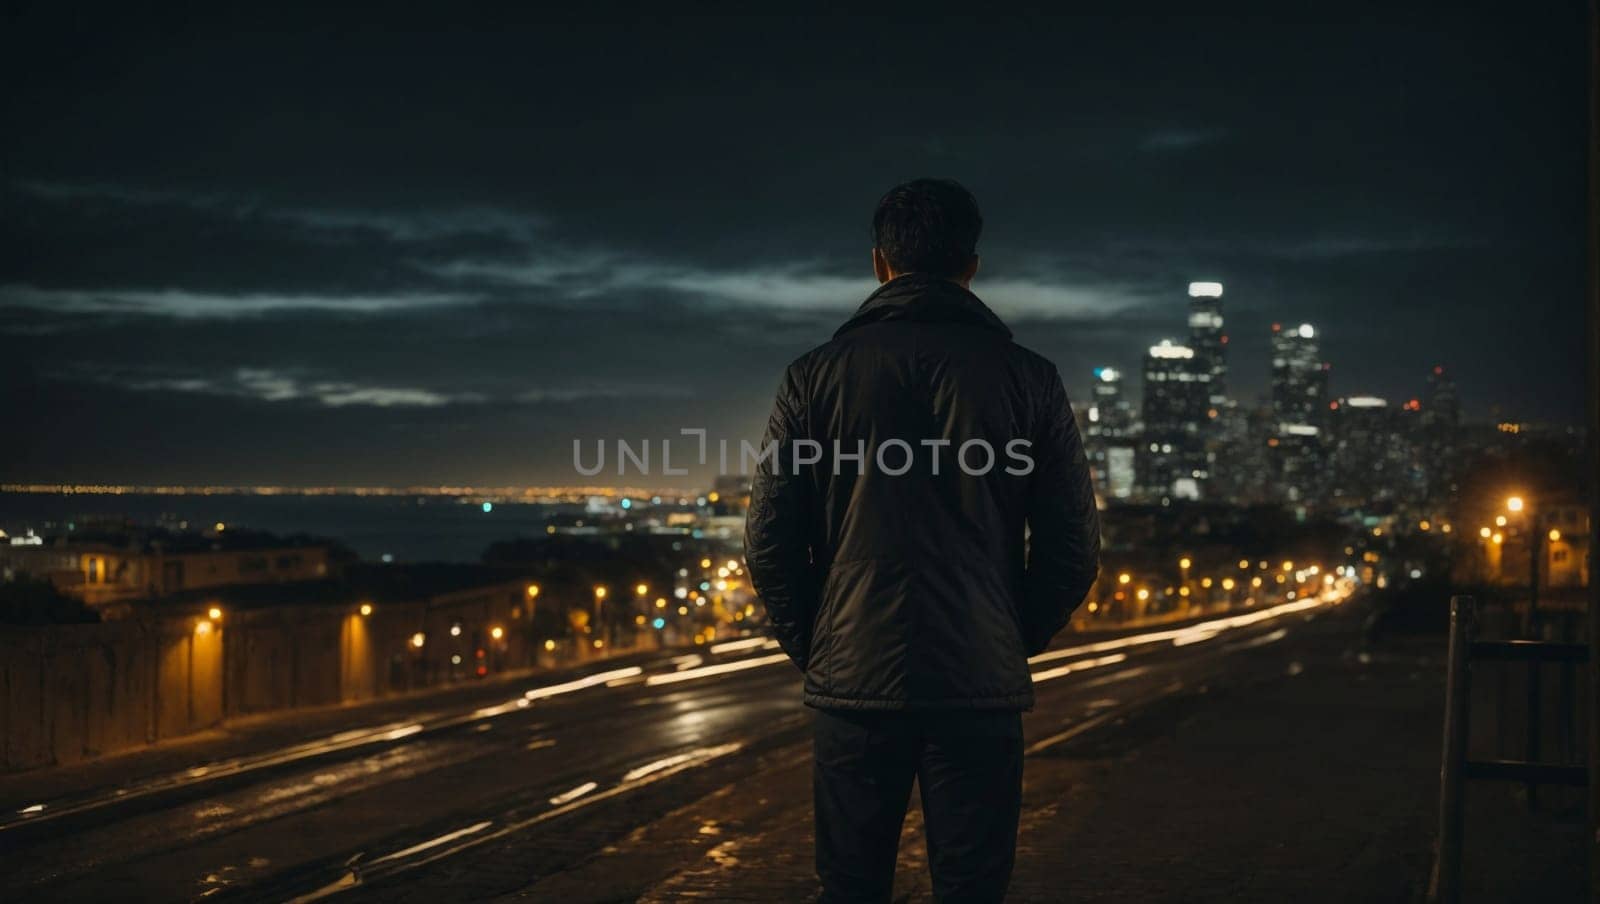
(922, 298)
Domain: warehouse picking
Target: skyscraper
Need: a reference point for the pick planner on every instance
(1209, 342)
(1109, 436)
(1299, 403)
(1441, 422)
(1299, 378)
(1177, 395)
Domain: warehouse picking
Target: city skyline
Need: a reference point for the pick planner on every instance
(420, 259)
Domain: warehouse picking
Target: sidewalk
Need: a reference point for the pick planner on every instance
(1316, 783)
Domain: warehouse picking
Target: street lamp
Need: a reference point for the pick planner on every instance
(1517, 504)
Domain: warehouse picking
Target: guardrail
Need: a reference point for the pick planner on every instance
(1455, 769)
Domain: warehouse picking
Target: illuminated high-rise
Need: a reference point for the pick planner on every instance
(1109, 435)
(1299, 404)
(1177, 395)
(1299, 378)
(1209, 341)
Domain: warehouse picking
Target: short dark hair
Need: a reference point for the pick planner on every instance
(928, 226)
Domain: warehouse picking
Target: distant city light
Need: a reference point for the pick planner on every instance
(366, 608)
(214, 613)
(1514, 504)
(497, 632)
(1205, 290)
(1168, 350)
(1306, 332)
(488, 507)
(418, 639)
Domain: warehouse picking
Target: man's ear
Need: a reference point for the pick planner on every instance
(971, 270)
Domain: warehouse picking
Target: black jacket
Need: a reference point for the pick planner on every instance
(919, 590)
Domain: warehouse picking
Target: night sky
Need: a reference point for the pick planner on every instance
(396, 252)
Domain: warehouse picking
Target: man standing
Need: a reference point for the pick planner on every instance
(922, 522)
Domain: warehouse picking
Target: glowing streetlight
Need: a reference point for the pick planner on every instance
(1485, 533)
(497, 632)
(366, 609)
(600, 592)
(418, 639)
(1227, 584)
(1514, 504)
(533, 591)
(1555, 535)
(641, 589)
(214, 613)
(1124, 578)
(1184, 563)
(1500, 521)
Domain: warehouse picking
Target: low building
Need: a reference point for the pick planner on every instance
(114, 567)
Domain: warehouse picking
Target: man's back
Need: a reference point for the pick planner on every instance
(917, 525)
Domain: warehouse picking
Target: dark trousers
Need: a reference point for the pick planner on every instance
(969, 768)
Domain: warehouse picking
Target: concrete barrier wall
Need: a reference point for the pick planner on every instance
(76, 691)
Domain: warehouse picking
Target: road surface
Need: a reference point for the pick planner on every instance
(507, 797)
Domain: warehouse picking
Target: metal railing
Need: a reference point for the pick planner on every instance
(1455, 769)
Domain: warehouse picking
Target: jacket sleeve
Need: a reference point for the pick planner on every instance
(1064, 526)
(777, 542)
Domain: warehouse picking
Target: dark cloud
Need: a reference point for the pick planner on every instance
(332, 252)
